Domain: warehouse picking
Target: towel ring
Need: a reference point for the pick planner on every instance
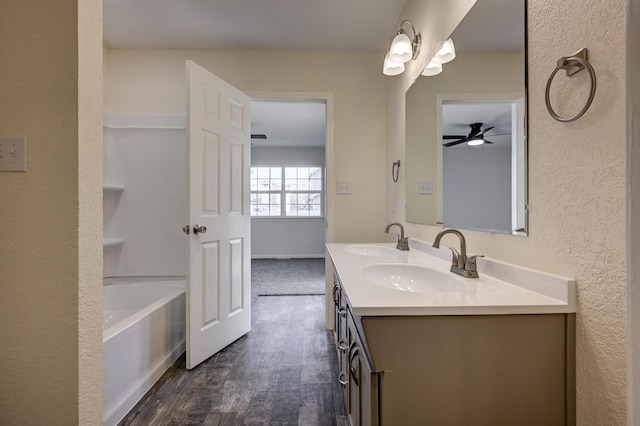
(395, 171)
(572, 64)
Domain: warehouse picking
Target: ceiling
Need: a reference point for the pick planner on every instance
(362, 25)
(288, 123)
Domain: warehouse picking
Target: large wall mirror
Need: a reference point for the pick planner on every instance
(480, 95)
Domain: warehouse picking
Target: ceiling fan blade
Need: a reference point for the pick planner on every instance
(454, 143)
(488, 141)
(258, 136)
(485, 130)
(453, 136)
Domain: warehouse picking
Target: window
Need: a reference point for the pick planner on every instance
(286, 191)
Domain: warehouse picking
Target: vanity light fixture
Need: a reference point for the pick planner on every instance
(402, 50)
(447, 53)
(432, 68)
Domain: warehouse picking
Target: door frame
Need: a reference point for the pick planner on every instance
(633, 207)
(327, 98)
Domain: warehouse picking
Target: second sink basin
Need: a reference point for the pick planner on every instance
(370, 250)
(413, 278)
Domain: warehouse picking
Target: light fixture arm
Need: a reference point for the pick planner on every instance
(416, 40)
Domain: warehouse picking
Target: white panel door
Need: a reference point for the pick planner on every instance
(219, 248)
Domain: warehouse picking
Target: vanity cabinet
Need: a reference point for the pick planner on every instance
(515, 369)
(356, 375)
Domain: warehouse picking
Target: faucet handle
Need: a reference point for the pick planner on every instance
(471, 264)
(455, 257)
(403, 243)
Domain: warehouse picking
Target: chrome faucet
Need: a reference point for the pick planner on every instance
(460, 264)
(403, 243)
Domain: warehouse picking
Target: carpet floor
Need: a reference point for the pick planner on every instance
(285, 277)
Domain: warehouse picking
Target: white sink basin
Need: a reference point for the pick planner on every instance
(371, 250)
(413, 278)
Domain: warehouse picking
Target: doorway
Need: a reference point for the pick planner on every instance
(289, 170)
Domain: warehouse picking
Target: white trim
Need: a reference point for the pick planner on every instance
(633, 209)
(288, 256)
(144, 121)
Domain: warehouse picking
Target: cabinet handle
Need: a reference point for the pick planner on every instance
(342, 345)
(342, 312)
(335, 295)
(352, 370)
(342, 378)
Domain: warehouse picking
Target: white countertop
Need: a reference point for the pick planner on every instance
(501, 289)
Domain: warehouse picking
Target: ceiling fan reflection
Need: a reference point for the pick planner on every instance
(474, 137)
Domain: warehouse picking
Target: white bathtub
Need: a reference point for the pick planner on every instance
(143, 334)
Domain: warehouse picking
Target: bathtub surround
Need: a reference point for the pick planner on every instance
(145, 160)
(282, 372)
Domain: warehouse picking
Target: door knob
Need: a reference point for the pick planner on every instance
(197, 229)
(186, 229)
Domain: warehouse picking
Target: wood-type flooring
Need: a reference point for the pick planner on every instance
(284, 372)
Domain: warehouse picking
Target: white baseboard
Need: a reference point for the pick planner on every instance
(288, 256)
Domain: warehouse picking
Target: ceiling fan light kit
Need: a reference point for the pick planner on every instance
(474, 138)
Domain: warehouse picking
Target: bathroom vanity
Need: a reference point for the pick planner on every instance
(419, 345)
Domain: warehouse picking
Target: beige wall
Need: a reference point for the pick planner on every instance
(50, 328)
(576, 189)
(153, 81)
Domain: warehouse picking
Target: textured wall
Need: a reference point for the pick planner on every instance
(45, 279)
(576, 189)
(89, 212)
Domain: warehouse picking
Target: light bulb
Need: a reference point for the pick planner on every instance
(401, 49)
(432, 69)
(476, 142)
(392, 68)
(447, 53)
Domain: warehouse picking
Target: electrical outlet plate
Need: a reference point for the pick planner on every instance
(13, 153)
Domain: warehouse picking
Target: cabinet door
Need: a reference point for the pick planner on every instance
(362, 389)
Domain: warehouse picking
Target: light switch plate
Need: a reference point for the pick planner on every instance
(344, 187)
(13, 153)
